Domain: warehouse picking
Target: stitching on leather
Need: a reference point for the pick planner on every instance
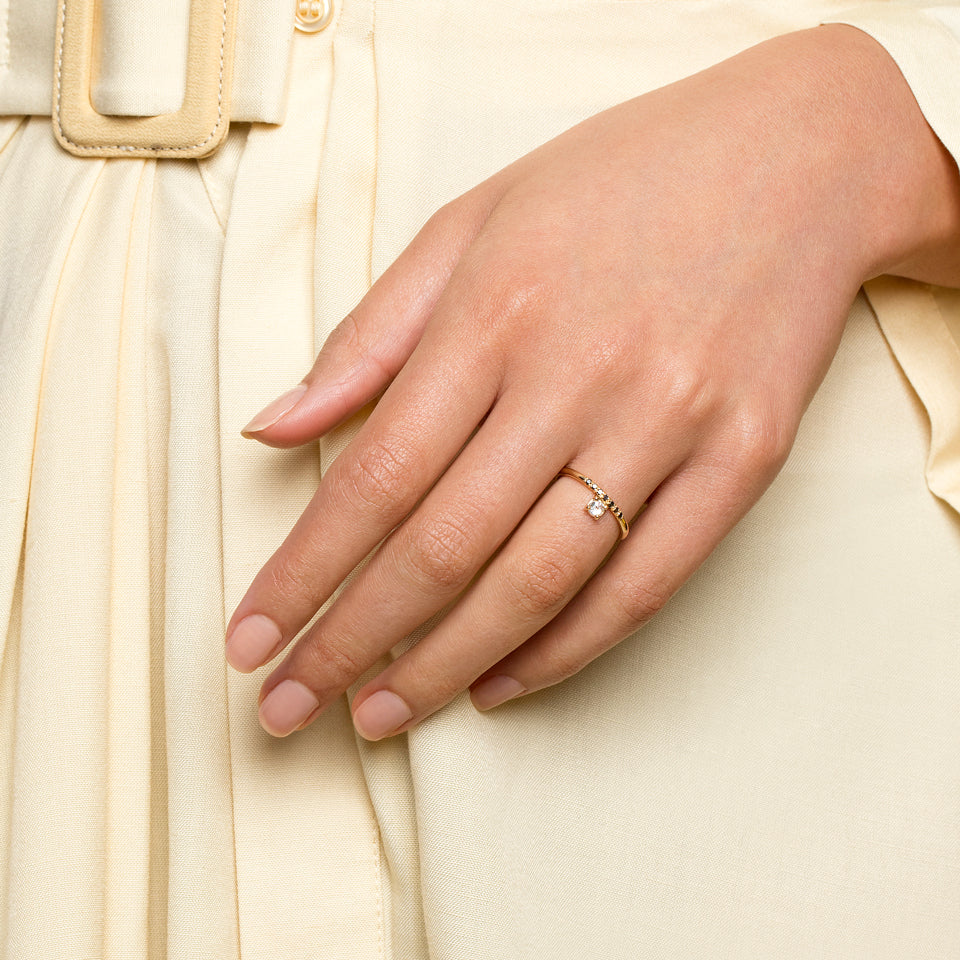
(148, 150)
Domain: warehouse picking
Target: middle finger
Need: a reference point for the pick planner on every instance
(555, 550)
(424, 564)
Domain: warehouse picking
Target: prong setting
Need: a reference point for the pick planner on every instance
(596, 509)
(601, 502)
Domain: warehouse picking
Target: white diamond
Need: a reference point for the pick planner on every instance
(596, 509)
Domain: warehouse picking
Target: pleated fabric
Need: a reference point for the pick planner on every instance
(771, 768)
(147, 312)
(114, 470)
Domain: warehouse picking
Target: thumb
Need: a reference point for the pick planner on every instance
(368, 348)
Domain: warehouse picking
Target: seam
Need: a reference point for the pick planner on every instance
(157, 915)
(229, 719)
(110, 750)
(7, 652)
(117, 146)
(210, 198)
(378, 866)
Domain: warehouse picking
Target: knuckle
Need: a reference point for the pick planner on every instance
(542, 586)
(758, 442)
(448, 231)
(326, 664)
(684, 390)
(638, 600)
(346, 344)
(430, 686)
(445, 218)
(612, 354)
(511, 296)
(290, 576)
(439, 553)
(345, 336)
(377, 479)
(525, 294)
(563, 661)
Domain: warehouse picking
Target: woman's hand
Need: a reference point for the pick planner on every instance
(651, 298)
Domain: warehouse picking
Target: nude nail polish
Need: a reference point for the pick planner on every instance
(380, 714)
(252, 642)
(495, 690)
(287, 705)
(272, 412)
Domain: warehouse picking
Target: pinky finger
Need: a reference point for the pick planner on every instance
(688, 516)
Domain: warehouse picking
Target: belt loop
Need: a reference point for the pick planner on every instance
(195, 130)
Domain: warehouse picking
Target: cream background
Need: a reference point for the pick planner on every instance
(770, 769)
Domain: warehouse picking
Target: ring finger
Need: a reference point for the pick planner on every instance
(551, 555)
(675, 535)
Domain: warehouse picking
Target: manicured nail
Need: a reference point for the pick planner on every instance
(272, 412)
(251, 642)
(495, 690)
(380, 714)
(286, 706)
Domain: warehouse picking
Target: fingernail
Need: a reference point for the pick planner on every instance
(495, 690)
(272, 412)
(286, 706)
(251, 642)
(380, 714)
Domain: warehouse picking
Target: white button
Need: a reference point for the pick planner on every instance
(313, 15)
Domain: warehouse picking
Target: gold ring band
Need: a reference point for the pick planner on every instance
(601, 501)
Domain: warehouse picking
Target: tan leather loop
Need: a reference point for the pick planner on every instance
(195, 130)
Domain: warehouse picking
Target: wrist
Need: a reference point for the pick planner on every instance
(829, 117)
(902, 182)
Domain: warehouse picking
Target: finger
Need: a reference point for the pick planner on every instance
(554, 551)
(687, 517)
(369, 346)
(425, 563)
(408, 441)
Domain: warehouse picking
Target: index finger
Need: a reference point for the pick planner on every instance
(416, 430)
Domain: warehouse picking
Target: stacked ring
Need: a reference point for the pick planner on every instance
(601, 502)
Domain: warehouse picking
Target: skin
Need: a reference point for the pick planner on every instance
(653, 297)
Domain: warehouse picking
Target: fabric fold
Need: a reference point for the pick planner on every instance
(310, 876)
(343, 271)
(117, 802)
(135, 760)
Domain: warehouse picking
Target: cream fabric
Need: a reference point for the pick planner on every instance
(145, 75)
(770, 769)
(141, 44)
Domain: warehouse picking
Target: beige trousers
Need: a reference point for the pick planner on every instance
(770, 769)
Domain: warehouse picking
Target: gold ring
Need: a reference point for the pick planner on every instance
(600, 503)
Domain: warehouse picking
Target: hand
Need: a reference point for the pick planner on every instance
(653, 298)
